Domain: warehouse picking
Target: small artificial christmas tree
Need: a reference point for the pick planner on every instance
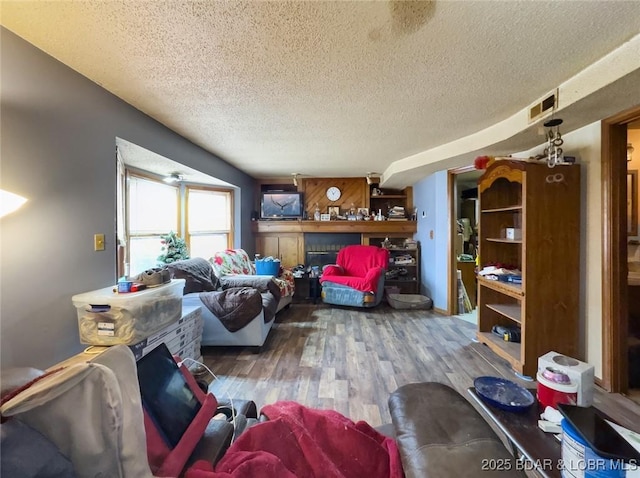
(174, 249)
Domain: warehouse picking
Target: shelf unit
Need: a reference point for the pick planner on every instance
(403, 275)
(544, 204)
(390, 198)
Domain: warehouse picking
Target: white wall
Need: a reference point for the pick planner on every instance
(585, 144)
(430, 197)
(58, 145)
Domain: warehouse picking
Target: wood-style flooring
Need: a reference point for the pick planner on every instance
(350, 360)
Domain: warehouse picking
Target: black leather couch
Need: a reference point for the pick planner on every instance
(440, 434)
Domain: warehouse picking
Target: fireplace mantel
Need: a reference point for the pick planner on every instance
(360, 227)
(286, 239)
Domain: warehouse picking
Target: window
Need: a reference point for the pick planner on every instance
(208, 221)
(153, 209)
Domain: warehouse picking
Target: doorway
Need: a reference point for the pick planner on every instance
(619, 369)
(464, 211)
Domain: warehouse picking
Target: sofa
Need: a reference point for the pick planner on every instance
(438, 433)
(237, 310)
(232, 265)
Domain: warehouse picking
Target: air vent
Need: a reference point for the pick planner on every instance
(544, 106)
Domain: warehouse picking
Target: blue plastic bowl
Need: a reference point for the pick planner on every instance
(503, 393)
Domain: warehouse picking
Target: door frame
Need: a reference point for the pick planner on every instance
(615, 320)
(452, 282)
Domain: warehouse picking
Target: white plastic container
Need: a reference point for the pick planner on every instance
(106, 317)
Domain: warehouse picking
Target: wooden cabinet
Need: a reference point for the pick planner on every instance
(530, 219)
(289, 248)
(468, 272)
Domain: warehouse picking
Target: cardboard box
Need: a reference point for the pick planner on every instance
(185, 330)
(513, 233)
(190, 350)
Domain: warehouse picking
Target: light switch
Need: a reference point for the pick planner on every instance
(98, 242)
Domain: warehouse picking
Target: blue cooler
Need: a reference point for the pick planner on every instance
(580, 460)
(267, 267)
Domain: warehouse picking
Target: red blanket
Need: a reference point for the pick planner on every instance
(298, 442)
(358, 267)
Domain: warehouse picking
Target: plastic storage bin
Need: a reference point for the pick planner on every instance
(108, 318)
(267, 267)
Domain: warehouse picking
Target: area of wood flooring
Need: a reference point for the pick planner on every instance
(350, 360)
(634, 394)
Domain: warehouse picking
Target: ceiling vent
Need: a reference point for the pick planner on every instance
(544, 106)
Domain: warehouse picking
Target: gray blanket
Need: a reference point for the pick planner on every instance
(198, 274)
(262, 283)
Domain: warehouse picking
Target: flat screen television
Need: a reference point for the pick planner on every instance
(281, 205)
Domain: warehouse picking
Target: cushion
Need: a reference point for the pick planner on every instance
(29, 454)
(439, 434)
(14, 378)
(92, 412)
(409, 301)
(232, 261)
(197, 273)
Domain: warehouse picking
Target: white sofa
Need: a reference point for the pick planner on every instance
(226, 299)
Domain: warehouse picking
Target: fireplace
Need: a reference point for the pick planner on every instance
(322, 248)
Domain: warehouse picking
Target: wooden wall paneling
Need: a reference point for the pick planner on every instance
(354, 190)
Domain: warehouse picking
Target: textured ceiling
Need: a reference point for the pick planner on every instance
(326, 88)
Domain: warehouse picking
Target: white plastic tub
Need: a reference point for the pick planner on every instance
(108, 318)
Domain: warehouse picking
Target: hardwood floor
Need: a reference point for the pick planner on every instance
(350, 360)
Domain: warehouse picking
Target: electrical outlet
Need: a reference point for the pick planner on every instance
(98, 242)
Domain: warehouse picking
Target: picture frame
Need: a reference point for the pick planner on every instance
(325, 217)
(333, 211)
(363, 211)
